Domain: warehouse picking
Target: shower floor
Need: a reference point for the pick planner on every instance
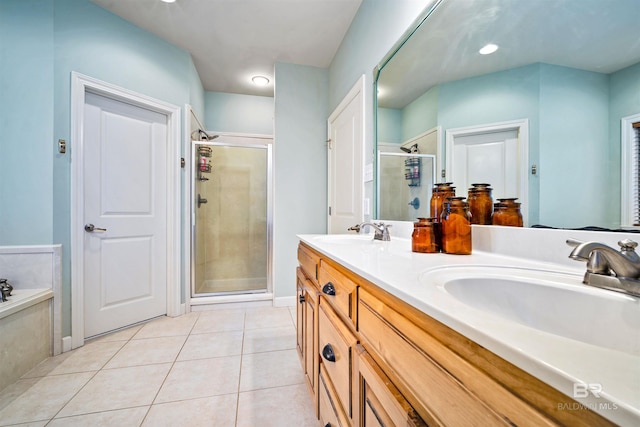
(258, 284)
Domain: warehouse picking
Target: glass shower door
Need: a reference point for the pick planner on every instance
(231, 221)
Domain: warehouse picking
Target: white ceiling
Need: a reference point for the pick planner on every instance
(599, 36)
(232, 40)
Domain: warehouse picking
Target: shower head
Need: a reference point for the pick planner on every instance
(412, 149)
(201, 135)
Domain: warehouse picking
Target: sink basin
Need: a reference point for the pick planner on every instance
(550, 302)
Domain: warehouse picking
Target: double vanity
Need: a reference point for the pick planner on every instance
(391, 337)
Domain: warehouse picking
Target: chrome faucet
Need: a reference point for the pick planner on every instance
(381, 230)
(608, 268)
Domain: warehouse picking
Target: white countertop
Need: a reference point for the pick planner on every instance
(558, 361)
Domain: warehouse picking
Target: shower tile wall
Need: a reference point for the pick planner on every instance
(394, 192)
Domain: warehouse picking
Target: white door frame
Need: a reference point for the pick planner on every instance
(80, 85)
(357, 93)
(522, 128)
(627, 169)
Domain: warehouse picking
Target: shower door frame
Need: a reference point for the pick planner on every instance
(264, 142)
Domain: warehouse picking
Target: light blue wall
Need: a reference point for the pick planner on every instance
(551, 98)
(230, 112)
(26, 122)
(196, 92)
(574, 132)
(421, 115)
(43, 42)
(377, 26)
(390, 125)
(300, 165)
(497, 97)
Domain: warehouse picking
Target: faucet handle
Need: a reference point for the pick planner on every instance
(574, 242)
(627, 245)
(355, 228)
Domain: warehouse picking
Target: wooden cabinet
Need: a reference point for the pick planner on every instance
(339, 290)
(379, 401)
(405, 352)
(331, 414)
(307, 296)
(336, 346)
(389, 364)
(309, 263)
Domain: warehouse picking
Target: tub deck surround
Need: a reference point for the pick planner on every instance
(30, 321)
(21, 299)
(25, 328)
(557, 361)
(36, 270)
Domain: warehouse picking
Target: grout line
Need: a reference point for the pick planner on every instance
(171, 368)
(244, 322)
(74, 395)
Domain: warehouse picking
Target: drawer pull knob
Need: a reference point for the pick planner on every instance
(301, 299)
(329, 289)
(327, 425)
(328, 354)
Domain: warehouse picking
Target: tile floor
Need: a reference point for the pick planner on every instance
(223, 368)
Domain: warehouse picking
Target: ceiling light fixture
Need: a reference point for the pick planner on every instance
(260, 80)
(488, 49)
(169, 1)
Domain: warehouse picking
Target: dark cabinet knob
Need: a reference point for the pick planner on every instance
(328, 354)
(329, 289)
(301, 299)
(327, 425)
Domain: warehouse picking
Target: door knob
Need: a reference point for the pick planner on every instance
(90, 228)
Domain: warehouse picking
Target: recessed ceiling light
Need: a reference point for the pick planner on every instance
(488, 49)
(260, 80)
(169, 1)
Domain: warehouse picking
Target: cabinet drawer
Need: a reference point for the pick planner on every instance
(336, 347)
(381, 403)
(339, 290)
(309, 262)
(331, 414)
(438, 396)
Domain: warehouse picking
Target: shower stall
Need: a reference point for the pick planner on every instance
(231, 218)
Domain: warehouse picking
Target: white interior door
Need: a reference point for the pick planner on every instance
(490, 158)
(125, 193)
(496, 153)
(345, 163)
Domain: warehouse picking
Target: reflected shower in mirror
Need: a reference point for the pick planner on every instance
(405, 190)
(564, 75)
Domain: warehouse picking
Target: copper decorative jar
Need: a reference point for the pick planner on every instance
(456, 226)
(439, 195)
(424, 237)
(480, 204)
(507, 213)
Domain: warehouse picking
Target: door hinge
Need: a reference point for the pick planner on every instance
(329, 210)
(182, 162)
(329, 143)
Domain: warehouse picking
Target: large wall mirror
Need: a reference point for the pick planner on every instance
(539, 118)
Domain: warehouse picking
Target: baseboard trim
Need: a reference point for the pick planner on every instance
(66, 343)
